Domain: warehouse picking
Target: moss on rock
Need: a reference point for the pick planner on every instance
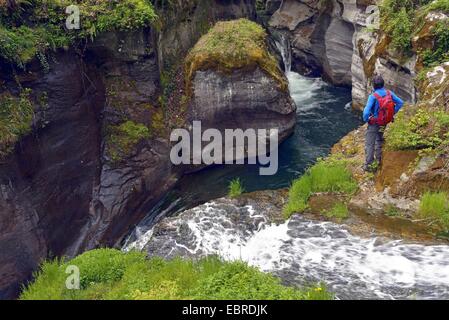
(16, 118)
(123, 138)
(230, 45)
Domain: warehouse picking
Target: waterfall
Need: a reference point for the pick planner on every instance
(284, 47)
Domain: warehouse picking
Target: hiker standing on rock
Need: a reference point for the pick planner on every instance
(379, 111)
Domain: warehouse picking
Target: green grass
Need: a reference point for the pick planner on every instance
(339, 211)
(442, 5)
(231, 45)
(435, 206)
(417, 128)
(35, 27)
(123, 138)
(326, 176)
(16, 118)
(235, 188)
(108, 274)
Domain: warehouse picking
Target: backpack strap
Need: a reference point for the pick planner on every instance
(377, 96)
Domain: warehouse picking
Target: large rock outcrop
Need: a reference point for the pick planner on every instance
(245, 100)
(236, 83)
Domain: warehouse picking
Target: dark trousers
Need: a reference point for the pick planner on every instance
(373, 144)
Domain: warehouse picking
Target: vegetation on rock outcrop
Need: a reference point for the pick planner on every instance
(419, 127)
(230, 45)
(329, 175)
(33, 27)
(434, 206)
(107, 274)
(123, 138)
(16, 118)
(404, 20)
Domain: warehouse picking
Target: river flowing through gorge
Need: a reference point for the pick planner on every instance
(188, 222)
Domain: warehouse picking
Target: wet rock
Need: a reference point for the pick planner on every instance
(52, 172)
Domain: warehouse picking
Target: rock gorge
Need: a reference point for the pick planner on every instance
(331, 38)
(67, 187)
(72, 183)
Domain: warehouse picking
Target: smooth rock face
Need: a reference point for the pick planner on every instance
(339, 48)
(398, 78)
(243, 100)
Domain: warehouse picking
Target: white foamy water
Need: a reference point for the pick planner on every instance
(303, 89)
(301, 251)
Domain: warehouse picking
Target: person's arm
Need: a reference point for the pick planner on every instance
(368, 108)
(397, 101)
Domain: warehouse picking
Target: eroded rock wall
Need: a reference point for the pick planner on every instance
(334, 39)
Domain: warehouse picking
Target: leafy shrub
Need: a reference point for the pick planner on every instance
(398, 21)
(435, 206)
(128, 276)
(440, 52)
(401, 31)
(235, 188)
(418, 128)
(16, 118)
(326, 176)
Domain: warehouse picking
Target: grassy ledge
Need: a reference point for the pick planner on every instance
(330, 175)
(108, 274)
(435, 208)
(230, 45)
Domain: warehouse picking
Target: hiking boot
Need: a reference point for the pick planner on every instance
(369, 169)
